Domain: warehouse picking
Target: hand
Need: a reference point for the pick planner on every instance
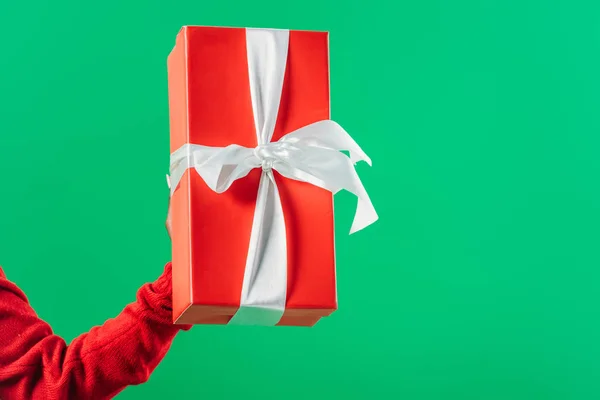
(168, 223)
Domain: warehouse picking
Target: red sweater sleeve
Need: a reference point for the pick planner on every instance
(36, 364)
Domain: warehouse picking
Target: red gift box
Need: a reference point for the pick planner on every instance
(211, 104)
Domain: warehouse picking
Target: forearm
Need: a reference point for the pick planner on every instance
(35, 363)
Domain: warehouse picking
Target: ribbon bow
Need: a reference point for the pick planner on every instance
(310, 154)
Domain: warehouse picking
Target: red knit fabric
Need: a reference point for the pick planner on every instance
(36, 364)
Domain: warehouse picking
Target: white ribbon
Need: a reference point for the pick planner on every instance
(310, 154)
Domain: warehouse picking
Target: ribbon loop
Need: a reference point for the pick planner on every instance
(310, 154)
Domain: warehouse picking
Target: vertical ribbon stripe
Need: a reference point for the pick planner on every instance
(265, 277)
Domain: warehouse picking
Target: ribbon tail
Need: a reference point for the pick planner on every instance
(180, 162)
(333, 171)
(365, 214)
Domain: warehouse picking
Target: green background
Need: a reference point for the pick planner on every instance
(480, 281)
